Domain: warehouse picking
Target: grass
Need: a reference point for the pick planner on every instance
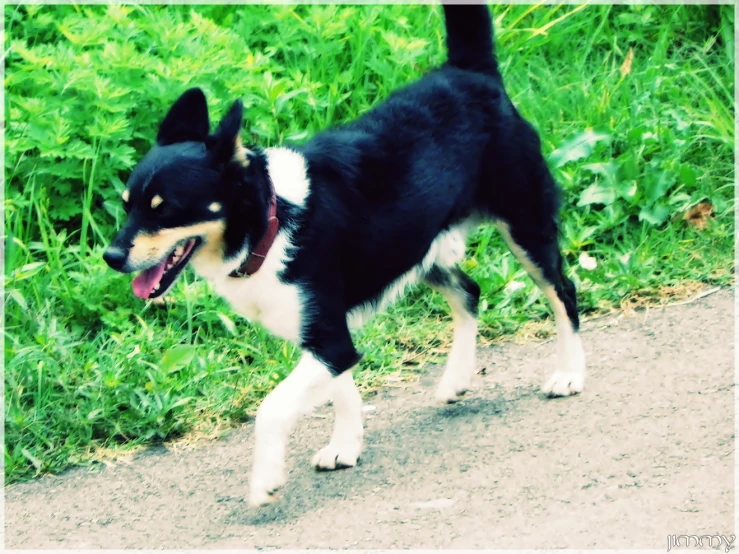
(635, 109)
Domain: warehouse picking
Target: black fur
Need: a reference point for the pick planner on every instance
(469, 38)
(186, 121)
(164, 171)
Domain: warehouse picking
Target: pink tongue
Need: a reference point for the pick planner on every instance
(147, 280)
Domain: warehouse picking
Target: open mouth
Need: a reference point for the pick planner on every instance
(157, 280)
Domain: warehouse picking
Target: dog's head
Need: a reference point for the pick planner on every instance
(194, 194)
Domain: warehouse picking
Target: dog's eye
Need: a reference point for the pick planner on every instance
(163, 210)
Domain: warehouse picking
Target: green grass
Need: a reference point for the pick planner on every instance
(90, 367)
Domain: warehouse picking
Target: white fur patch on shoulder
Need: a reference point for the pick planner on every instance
(289, 174)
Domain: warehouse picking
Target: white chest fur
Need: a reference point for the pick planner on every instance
(262, 297)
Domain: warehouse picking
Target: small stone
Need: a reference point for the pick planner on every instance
(435, 504)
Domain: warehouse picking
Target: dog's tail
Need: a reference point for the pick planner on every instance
(469, 38)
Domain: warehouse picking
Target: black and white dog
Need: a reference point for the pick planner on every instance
(312, 240)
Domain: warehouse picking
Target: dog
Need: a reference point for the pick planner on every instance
(311, 240)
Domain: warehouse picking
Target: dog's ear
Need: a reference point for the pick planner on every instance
(187, 119)
(222, 145)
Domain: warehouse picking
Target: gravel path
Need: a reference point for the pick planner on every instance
(645, 452)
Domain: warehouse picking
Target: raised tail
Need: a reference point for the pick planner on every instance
(469, 38)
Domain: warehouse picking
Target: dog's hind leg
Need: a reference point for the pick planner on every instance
(462, 294)
(346, 441)
(538, 252)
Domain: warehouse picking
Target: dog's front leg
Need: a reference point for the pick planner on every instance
(346, 440)
(306, 387)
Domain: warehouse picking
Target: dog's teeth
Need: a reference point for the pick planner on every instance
(178, 251)
(156, 287)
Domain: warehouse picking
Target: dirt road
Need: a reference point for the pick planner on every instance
(645, 452)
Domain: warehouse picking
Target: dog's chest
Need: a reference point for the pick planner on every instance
(264, 298)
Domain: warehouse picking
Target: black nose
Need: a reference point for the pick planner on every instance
(115, 257)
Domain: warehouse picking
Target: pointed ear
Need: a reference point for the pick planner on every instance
(187, 120)
(222, 144)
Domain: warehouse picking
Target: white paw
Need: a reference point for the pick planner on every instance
(264, 486)
(564, 383)
(338, 455)
(449, 391)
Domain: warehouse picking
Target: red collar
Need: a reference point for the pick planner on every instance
(256, 257)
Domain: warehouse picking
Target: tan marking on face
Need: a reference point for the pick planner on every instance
(125, 195)
(156, 201)
(147, 248)
(241, 153)
(211, 252)
(215, 207)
